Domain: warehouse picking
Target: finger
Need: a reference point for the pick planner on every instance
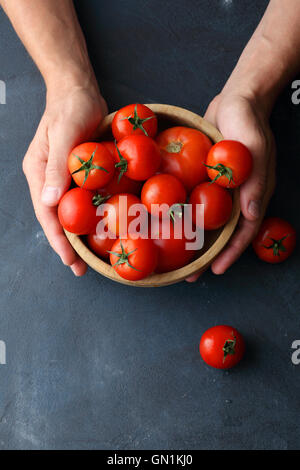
(195, 276)
(240, 240)
(210, 113)
(57, 176)
(254, 189)
(79, 268)
(34, 169)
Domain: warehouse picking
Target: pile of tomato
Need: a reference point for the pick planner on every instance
(174, 167)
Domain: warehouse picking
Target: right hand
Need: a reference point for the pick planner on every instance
(71, 116)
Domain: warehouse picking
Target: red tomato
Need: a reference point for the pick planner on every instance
(110, 146)
(275, 241)
(76, 211)
(134, 119)
(119, 185)
(119, 215)
(172, 252)
(133, 259)
(229, 163)
(217, 205)
(162, 189)
(101, 244)
(222, 347)
(91, 165)
(184, 153)
(138, 157)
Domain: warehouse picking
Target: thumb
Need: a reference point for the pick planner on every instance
(57, 177)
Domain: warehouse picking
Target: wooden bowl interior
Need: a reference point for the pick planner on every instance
(214, 241)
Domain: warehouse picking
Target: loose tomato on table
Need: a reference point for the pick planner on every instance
(134, 119)
(77, 211)
(275, 241)
(217, 203)
(222, 347)
(91, 165)
(229, 163)
(138, 157)
(173, 253)
(121, 210)
(184, 153)
(119, 185)
(162, 189)
(133, 259)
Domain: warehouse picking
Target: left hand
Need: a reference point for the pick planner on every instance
(241, 118)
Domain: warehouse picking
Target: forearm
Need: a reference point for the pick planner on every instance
(50, 31)
(271, 57)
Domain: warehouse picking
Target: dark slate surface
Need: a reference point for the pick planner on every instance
(93, 364)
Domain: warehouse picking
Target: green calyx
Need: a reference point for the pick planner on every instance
(98, 199)
(123, 257)
(277, 246)
(229, 347)
(222, 171)
(122, 165)
(176, 210)
(137, 122)
(87, 166)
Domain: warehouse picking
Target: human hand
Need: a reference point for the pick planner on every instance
(243, 119)
(72, 115)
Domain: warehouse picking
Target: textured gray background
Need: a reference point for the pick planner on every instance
(93, 364)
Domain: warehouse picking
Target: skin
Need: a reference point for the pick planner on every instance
(242, 110)
(75, 107)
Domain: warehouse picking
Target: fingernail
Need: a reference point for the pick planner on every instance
(50, 195)
(254, 209)
(74, 269)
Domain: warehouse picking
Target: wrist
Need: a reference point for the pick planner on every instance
(258, 76)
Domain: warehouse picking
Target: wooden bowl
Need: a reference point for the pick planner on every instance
(214, 241)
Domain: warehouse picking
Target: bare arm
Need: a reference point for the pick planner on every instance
(241, 112)
(271, 58)
(51, 33)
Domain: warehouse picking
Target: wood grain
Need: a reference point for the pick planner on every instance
(214, 241)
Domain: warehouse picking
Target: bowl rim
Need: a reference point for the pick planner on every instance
(201, 263)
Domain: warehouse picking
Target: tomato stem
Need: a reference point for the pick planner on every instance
(137, 122)
(123, 257)
(222, 171)
(229, 347)
(122, 165)
(174, 147)
(98, 199)
(277, 246)
(176, 210)
(87, 166)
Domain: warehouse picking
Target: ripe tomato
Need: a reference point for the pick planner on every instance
(134, 119)
(162, 189)
(275, 241)
(217, 205)
(172, 252)
(184, 153)
(229, 163)
(222, 347)
(110, 146)
(120, 213)
(138, 157)
(91, 165)
(133, 259)
(77, 212)
(101, 243)
(119, 185)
